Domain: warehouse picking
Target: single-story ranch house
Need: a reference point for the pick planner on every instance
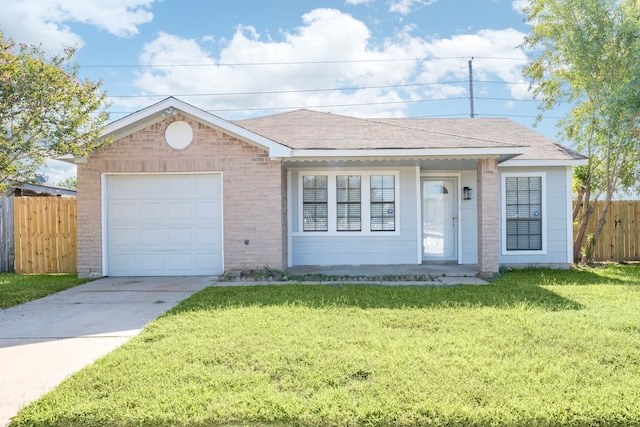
(180, 191)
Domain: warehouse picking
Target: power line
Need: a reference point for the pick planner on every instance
(271, 92)
(252, 64)
(363, 104)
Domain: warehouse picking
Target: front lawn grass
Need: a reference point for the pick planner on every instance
(534, 348)
(19, 288)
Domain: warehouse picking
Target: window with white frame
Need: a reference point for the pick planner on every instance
(523, 213)
(348, 195)
(361, 202)
(383, 203)
(314, 203)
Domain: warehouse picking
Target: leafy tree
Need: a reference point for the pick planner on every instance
(71, 183)
(46, 110)
(585, 53)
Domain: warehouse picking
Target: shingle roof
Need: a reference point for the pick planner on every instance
(306, 129)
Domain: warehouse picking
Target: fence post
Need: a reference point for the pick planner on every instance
(6, 234)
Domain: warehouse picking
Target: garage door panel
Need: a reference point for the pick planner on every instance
(205, 235)
(152, 237)
(203, 260)
(149, 211)
(164, 225)
(125, 190)
(180, 262)
(149, 261)
(123, 211)
(125, 261)
(123, 237)
(180, 237)
(207, 211)
(179, 211)
(204, 187)
(149, 188)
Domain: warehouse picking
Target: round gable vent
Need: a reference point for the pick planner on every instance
(178, 134)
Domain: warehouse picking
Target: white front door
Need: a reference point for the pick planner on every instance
(439, 219)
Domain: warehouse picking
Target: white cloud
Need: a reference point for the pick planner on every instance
(497, 56)
(326, 36)
(57, 171)
(309, 58)
(519, 5)
(404, 7)
(46, 22)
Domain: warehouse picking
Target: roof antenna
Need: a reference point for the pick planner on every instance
(471, 113)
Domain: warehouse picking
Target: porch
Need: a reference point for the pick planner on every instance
(433, 270)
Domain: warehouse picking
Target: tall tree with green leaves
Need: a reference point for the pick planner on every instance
(46, 110)
(586, 54)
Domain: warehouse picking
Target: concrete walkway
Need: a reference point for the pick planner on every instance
(44, 341)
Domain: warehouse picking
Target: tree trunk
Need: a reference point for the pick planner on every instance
(582, 231)
(587, 210)
(599, 226)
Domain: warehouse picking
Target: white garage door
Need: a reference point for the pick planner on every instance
(163, 225)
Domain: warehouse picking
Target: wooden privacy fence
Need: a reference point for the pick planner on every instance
(620, 237)
(45, 234)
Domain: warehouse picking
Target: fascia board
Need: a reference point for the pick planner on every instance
(154, 113)
(410, 152)
(543, 163)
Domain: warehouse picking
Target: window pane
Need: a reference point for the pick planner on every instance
(535, 227)
(523, 211)
(535, 243)
(535, 183)
(388, 181)
(314, 203)
(383, 197)
(523, 227)
(348, 202)
(523, 197)
(523, 242)
(535, 197)
(534, 211)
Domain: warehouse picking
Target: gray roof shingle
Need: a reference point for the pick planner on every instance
(306, 129)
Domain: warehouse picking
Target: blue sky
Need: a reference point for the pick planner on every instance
(243, 58)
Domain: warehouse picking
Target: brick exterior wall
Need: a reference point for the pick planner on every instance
(253, 190)
(488, 224)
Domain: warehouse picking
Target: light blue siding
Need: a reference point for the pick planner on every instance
(469, 220)
(556, 222)
(403, 246)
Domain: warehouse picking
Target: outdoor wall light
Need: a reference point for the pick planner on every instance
(466, 191)
(169, 112)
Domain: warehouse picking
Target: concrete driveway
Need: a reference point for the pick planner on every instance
(44, 341)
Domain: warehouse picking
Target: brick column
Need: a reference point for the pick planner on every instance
(488, 207)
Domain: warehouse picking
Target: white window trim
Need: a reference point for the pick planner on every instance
(365, 203)
(543, 208)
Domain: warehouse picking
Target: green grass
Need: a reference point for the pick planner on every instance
(534, 348)
(19, 288)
